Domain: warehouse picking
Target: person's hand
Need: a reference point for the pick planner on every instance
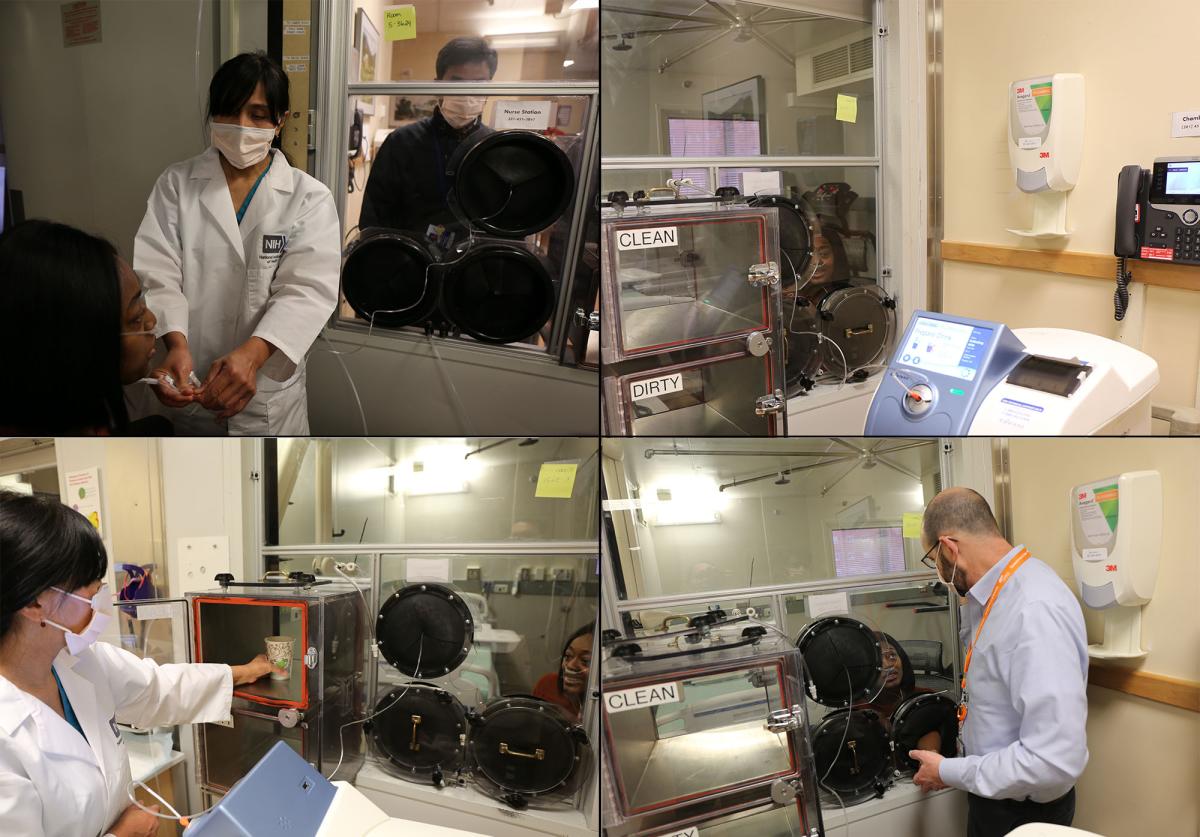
(134, 822)
(928, 776)
(257, 668)
(232, 379)
(178, 364)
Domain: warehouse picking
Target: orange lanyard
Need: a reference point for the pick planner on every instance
(1013, 566)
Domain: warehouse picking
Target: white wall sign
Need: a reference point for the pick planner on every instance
(643, 697)
(532, 116)
(646, 239)
(654, 387)
(1185, 123)
(762, 183)
(828, 604)
(427, 569)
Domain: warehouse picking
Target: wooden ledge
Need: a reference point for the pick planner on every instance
(1157, 687)
(1089, 265)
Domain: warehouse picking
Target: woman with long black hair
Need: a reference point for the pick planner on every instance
(76, 329)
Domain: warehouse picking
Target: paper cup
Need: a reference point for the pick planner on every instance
(279, 653)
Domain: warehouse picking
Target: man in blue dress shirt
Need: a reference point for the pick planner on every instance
(1023, 740)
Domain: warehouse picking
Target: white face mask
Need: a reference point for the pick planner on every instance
(101, 604)
(953, 571)
(461, 111)
(242, 147)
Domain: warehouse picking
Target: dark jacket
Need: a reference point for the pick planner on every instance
(406, 191)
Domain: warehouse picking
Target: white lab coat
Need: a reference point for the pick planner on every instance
(55, 784)
(274, 276)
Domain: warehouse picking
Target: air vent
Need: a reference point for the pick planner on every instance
(834, 65)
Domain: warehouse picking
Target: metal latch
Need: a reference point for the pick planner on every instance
(758, 344)
(310, 658)
(589, 321)
(785, 720)
(769, 404)
(763, 274)
(785, 791)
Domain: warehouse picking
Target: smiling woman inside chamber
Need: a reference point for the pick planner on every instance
(64, 770)
(567, 686)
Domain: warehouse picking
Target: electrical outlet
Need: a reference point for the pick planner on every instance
(501, 587)
(539, 573)
(525, 574)
(474, 574)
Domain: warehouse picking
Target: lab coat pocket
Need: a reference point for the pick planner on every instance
(258, 290)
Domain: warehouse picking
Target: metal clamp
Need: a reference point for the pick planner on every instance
(758, 344)
(765, 274)
(785, 720)
(785, 791)
(538, 754)
(589, 321)
(769, 404)
(310, 658)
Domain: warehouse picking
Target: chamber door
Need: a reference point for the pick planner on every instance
(734, 394)
(674, 281)
(425, 630)
(421, 730)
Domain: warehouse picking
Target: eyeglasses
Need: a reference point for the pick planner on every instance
(928, 560)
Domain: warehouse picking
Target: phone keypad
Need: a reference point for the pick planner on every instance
(1187, 244)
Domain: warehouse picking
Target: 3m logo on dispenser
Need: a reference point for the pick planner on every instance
(654, 387)
(643, 697)
(646, 239)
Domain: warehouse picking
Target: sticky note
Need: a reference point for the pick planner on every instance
(912, 524)
(399, 23)
(556, 480)
(847, 108)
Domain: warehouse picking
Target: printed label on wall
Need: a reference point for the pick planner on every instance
(531, 116)
(647, 238)
(643, 697)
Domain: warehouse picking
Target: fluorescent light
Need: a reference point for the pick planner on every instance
(568, 63)
(694, 500)
(437, 469)
(545, 40)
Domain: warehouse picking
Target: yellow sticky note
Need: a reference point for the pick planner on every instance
(912, 524)
(847, 108)
(556, 480)
(399, 23)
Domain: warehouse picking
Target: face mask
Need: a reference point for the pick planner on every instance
(242, 147)
(461, 111)
(101, 604)
(953, 571)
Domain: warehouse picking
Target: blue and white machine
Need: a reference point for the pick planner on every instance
(285, 796)
(956, 376)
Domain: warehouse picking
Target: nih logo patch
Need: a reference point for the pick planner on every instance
(272, 245)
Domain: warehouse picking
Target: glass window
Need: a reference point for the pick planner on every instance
(701, 515)
(737, 79)
(531, 41)
(402, 490)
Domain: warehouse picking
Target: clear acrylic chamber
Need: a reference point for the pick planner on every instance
(325, 687)
(703, 726)
(693, 340)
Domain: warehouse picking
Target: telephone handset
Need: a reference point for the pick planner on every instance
(1157, 218)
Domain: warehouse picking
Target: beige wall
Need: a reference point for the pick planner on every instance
(1133, 84)
(1144, 768)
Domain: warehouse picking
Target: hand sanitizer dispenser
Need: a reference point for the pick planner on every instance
(1116, 538)
(1045, 145)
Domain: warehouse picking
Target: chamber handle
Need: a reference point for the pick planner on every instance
(413, 745)
(538, 754)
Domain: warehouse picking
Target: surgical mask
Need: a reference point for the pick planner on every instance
(242, 147)
(461, 111)
(953, 571)
(101, 604)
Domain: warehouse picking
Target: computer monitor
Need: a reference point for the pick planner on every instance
(868, 551)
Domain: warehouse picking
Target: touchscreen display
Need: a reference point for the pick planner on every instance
(946, 348)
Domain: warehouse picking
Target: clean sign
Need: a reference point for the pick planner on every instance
(643, 697)
(654, 387)
(648, 238)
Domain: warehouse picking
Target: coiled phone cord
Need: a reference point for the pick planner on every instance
(1121, 296)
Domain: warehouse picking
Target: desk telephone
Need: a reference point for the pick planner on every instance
(1158, 217)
